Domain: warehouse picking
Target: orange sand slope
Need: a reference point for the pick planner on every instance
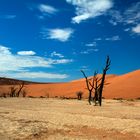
(124, 86)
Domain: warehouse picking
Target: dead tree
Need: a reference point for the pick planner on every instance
(90, 86)
(100, 89)
(96, 87)
(21, 86)
(97, 84)
(12, 91)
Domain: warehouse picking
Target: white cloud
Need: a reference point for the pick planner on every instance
(95, 50)
(4, 50)
(56, 54)
(47, 9)
(60, 61)
(114, 38)
(136, 29)
(26, 53)
(93, 44)
(86, 9)
(33, 75)
(62, 35)
(12, 62)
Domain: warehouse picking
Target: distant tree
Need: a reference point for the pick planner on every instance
(21, 86)
(13, 91)
(79, 95)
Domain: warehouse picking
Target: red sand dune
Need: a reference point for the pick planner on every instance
(123, 86)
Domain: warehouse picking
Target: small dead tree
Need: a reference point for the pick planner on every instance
(90, 86)
(79, 95)
(21, 86)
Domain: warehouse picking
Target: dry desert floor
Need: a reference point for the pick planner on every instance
(57, 119)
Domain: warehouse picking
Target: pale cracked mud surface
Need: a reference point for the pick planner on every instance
(55, 119)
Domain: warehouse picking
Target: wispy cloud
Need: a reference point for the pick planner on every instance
(86, 9)
(114, 23)
(47, 9)
(56, 54)
(98, 39)
(8, 16)
(26, 53)
(136, 29)
(44, 10)
(127, 29)
(62, 35)
(34, 75)
(15, 62)
(116, 17)
(85, 68)
(88, 51)
(130, 16)
(93, 44)
(114, 38)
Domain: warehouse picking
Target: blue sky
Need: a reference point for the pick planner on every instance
(52, 40)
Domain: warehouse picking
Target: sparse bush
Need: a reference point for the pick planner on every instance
(132, 100)
(138, 98)
(79, 95)
(31, 97)
(117, 98)
(41, 97)
(64, 97)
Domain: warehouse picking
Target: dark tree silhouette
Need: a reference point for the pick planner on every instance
(97, 84)
(96, 87)
(21, 86)
(100, 89)
(90, 86)
(13, 91)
